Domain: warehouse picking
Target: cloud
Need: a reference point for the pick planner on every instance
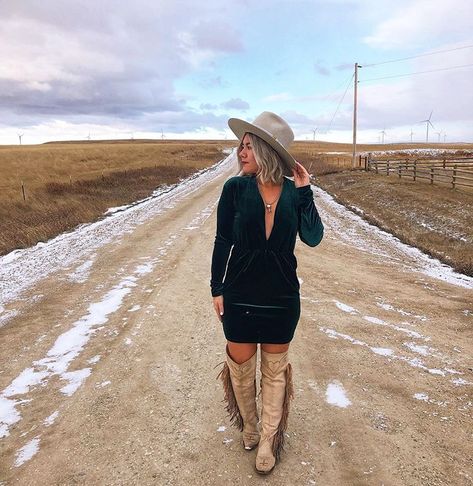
(215, 82)
(422, 22)
(320, 69)
(235, 104)
(208, 106)
(79, 59)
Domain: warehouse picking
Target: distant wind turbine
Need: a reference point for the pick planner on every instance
(439, 134)
(427, 122)
(162, 135)
(19, 136)
(88, 137)
(383, 133)
(314, 130)
(412, 133)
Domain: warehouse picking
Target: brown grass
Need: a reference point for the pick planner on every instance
(71, 183)
(435, 219)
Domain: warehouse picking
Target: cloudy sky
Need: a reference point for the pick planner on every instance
(117, 69)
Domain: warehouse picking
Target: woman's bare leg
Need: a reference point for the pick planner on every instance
(275, 348)
(241, 352)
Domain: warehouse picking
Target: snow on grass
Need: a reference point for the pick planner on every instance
(27, 451)
(336, 395)
(346, 227)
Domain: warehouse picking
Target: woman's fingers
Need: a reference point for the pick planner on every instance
(218, 306)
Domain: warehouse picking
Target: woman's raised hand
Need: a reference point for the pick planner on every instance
(218, 306)
(301, 176)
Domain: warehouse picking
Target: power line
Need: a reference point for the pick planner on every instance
(341, 101)
(420, 55)
(419, 72)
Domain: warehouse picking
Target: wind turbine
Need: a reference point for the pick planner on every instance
(314, 130)
(444, 136)
(428, 122)
(383, 133)
(438, 134)
(88, 137)
(19, 136)
(162, 135)
(412, 133)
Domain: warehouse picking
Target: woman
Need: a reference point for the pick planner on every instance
(256, 296)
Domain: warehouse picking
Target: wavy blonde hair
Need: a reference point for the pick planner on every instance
(267, 159)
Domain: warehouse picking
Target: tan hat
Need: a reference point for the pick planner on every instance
(273, 130)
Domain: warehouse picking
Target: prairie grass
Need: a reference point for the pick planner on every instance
(435, 219)
(67, 184)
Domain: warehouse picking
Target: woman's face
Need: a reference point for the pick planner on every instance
(247, 156)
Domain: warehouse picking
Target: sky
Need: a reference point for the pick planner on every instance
(179, 68)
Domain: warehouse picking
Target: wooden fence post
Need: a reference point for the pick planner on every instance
(387, 168)
(431, 175)
(23, 191)
(454, 176)
(415, 169)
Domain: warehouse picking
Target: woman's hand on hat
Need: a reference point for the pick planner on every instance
(301, 176)
(218, 306)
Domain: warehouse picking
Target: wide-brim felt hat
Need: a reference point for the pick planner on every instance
(273, 130)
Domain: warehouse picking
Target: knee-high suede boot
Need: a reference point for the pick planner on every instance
(276, 391)
(239, 384)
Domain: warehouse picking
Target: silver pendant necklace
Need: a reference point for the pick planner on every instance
(268, 205)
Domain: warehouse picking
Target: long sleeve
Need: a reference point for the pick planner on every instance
(311, 229)
(223, 239)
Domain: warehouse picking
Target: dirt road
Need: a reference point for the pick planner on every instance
(109, 346)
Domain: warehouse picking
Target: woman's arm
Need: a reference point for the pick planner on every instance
(310, 227)
(223, 239)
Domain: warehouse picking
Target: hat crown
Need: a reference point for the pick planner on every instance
(275, 126)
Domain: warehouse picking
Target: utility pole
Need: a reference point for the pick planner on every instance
(355, 101)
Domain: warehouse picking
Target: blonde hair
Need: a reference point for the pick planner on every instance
(267, 159)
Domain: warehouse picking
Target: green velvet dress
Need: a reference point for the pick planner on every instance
(259, 282)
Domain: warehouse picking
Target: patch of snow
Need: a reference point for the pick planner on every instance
(48, 421)
(336, 395)
(27, 451)
(345, 307)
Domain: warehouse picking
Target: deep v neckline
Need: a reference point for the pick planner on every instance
(264, 208)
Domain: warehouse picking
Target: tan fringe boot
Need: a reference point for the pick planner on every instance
(239, 384)
(276, 391)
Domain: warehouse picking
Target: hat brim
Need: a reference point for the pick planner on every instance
(240, 127)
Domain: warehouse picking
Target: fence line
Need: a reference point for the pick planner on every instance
(455, 171)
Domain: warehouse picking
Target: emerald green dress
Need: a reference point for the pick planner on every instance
(259, 285)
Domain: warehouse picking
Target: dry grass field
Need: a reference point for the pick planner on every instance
(71, 183)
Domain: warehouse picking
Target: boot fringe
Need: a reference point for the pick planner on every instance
(231, 407)
(279, 437)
